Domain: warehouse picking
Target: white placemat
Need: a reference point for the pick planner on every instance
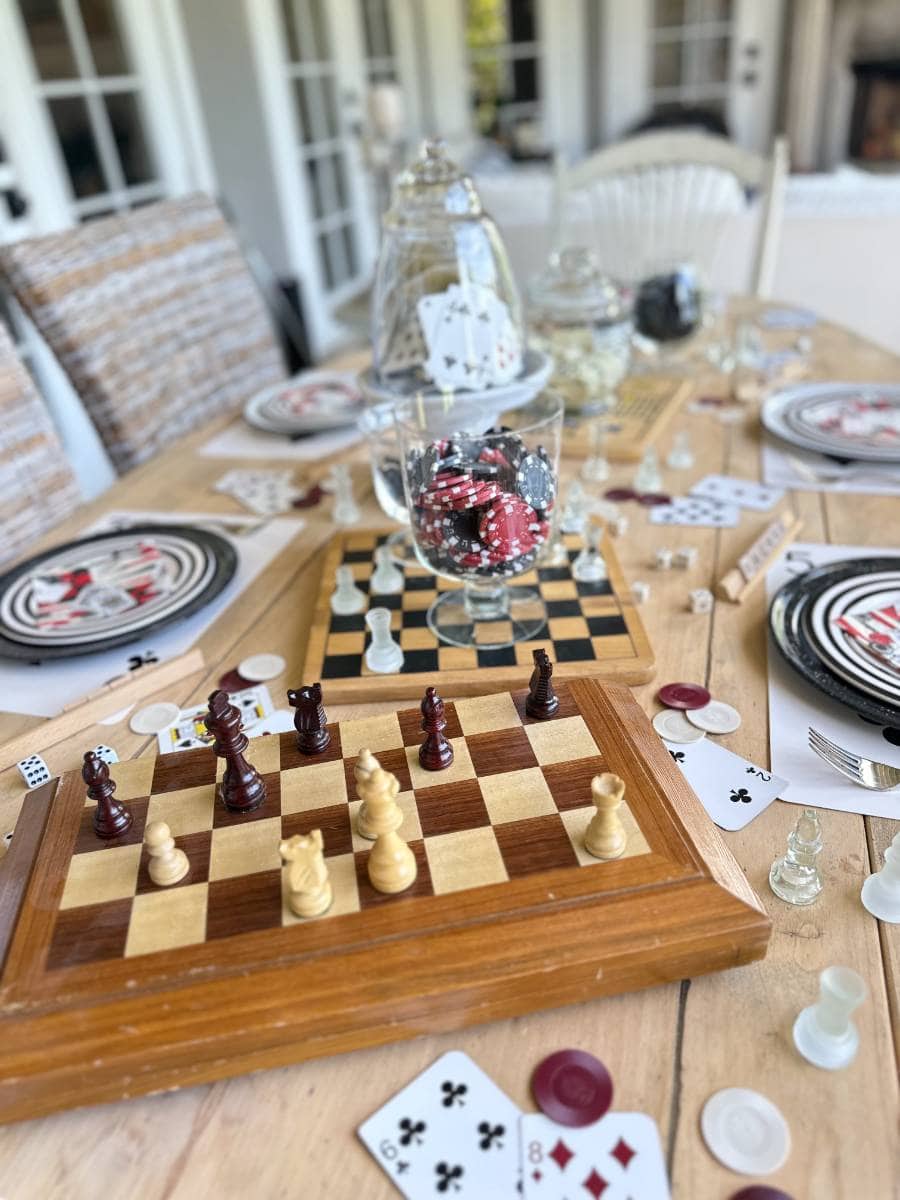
(240, 440)
(791, 467)
(44, 689)
(795, 705)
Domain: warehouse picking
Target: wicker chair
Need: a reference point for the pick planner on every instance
(37, 487)
(154, 316)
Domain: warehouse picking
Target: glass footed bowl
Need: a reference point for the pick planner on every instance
(377, 426)
(480, 500)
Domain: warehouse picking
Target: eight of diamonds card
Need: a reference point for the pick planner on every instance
(450, 1132)
(618, 1157)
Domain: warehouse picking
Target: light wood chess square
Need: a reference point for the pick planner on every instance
(484, 714)
(342, 875)
(263, 752)
(101, 875)
(515, 795)
(576, 821)
(568, 627)
(489, 633)
(470, 858)
(417, 639)
(132, 777)
(360, 541)
(559, 589)
(417, 600)
(346, 643)
(370, 733)
(457, 658)
(524, 652)
(617, 646)
(245, 849)
(600, 606)
(187, 811)
(315, 786)
(410, 830)
(460, 768)
(166, 919)
(561, 741)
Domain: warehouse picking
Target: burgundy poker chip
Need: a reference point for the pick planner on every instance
(649, 499)
(572, 1087)
(760, 1191)
(683, 695)
(620, 494)
(233, 681)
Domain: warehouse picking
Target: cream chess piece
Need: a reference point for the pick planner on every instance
(167, 863)
(392, 865)
(605, 836)
(366, 764)
(309, 888)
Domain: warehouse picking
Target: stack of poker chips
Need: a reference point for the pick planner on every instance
(482, 504)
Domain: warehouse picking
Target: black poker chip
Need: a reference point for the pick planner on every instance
(534, 481)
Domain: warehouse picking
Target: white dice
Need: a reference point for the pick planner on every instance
(618, 526)
(700, 600)
(685, 557)
(663, 559)
(640, 592)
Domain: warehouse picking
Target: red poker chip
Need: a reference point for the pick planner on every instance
(683, 695)
(760, 1191)
(649, 499)
(620, 494)
(233, 681)
(572, 1088)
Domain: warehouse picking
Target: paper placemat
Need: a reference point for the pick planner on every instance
(240, 440)
(795, 705)
(44, 689)
(810, 472)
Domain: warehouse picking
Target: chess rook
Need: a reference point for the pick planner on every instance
(242, 788)
(111, 817)
(392, 865)
(542, 701)
(310, 720)
(167, 863)
(605, 836)
(362, 771)
(309, 888)
(435, 753)
(383, 656)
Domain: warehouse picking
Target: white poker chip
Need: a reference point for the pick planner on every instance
(154, 717)
(715, 717)
(671, 725)
(745, 1131)
(259, 667)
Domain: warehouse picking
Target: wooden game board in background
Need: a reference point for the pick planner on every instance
(646, 405)
(592, 629)
(111, 987)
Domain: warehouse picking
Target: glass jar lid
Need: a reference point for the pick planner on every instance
(573, 288)
(432, 186)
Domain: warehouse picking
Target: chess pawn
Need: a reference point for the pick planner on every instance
(167, 863)
(795, 877)
(681, 456)
(344, 511)
(383, 655)
(647, 477)
(575, 511)
(111, 818)
(387, 578)
(881, 891)
(309, 889)
(595, 468)
(589, 566)
(824, 1033)
(366, 764)
(605, 836)
(346, 598)
(392, 865)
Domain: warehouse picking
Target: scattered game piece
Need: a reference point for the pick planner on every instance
(759, 1191)
(732, 790)
(605, 836)
(572, 1088)
(640, 592)
(242, 788)
(387, 578)
(619, 1156)
(347, 598)
(111, 818)
(715, 717)
(233, 681)
(795, 876)
(435, 753)
(154, 717)
(698, 512)
(392, 865)
(535, 482)
(685, 557)
(344, 510)
(745, 1131)
(542, 702)
(310, 720)
(672, 725)
(881, 891)
(700, 600)
(823, 1032)
(745, 493)
(107, 753)
(681, 457)
(34, 770)
(363, 768)
(260, 667)
(309, 889)
(654, 499)
(188, 731)
(618, 526)
(753, 565)
(647, 477)
(663, 559)
(575, 510)
(383, 655)
(555, 554)
(310, 498)
(167, 863)
(683, 695)
(620, 493)
(589, 566)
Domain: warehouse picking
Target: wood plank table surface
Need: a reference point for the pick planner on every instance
(291, 1132)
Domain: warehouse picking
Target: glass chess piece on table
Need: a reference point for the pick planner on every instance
(344, 511)
(647, 477)
(823, 1032)
(681, 457)
(589, 566)
(575, 512)
(383, 654)
(795, 877)
(881, 891)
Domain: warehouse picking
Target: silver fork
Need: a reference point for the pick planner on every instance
(880, 777)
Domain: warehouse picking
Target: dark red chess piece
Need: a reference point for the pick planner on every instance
(111, 817)
(435, 753)
(542, 701)
(309, 719)
(242, 788)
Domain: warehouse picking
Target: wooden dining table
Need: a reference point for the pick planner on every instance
(291, 1132)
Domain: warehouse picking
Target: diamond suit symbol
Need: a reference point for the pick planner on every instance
(561, 1154)
(623, 1152)
(595, 1184)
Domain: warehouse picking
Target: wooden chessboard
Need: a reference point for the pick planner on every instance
(112, 987)
(592, 629)
(646, 405)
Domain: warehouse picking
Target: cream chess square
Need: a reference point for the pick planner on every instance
(245, 849)
(470, 858)
(483, 714)
(576, 821)
(101, 875)
(187, 811)
(516, 795)
(263, 752)
(342, 875)
(132, 777)
(561, 741)
(315, 786)
(370, 733)
(166, 919)
(460, 768)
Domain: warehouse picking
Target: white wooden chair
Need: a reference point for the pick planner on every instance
(664, 198)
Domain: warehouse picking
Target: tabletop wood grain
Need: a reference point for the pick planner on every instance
(291, 1132)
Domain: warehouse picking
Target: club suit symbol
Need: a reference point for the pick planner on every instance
(490, 1135)
(448, 1177)
(412, 1132)
(740, 795)
(453, 1093)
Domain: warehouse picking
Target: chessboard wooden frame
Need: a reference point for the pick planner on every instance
(106, 1030)
(472, 681)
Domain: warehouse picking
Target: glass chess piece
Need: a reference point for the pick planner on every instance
(345, 511)
(575, 511)
(383, 655)
(881, 891)
(387, 578)
(589, 566)
(823, 1032)
(346, 598)
(647, 477)
(795, 878)
(681, 456)
(595, 468)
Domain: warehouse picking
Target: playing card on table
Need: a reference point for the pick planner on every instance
(450, 1132)
(188, 731)
(696, 510)
(732, 790)
(618, 1157)
(746, 493)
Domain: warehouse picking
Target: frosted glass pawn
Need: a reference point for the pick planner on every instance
(647, 477)
(681, 456)
(344, 511)
(365, 767)
(824, 1033)
(387, 578)
(383, 656)
(392, 865)
(347, 598)
(575, 511)
(167, 863)
(589, 566)
(795, 877)
(595, 468)
(881, 891)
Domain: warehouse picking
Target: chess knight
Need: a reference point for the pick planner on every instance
(309, 888)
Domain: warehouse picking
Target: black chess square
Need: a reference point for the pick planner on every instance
(357, 556)
(573, 650)
(601, 588)
(607, 626)
(352, 623)
(386, 599)
(419, 583)
(415, 661)
(415, 618)
(554, 574)
(342, 666)
(563, 608)
(503, 656)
